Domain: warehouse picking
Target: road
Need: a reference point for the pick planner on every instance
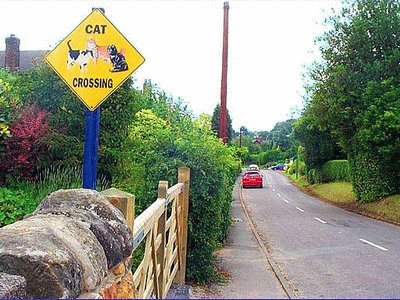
(323, 251)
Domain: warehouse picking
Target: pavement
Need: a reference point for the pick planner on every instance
(242, 259)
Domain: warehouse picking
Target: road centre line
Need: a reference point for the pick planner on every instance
(278, 194)
(286, 201)
(320, 220)
(273, 190)
(299, 209)
(374, 245)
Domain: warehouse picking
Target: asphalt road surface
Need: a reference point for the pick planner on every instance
(323, 251)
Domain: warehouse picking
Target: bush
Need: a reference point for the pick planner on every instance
(292, 169)
(168, 146)
(26, 144)
(369, 182)
(314, 176)
(336, 170)
(15, 204)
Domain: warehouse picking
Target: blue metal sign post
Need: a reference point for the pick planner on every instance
(90, 155)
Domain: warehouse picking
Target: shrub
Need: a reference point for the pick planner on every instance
(26, 144)
(22, 197)
(336, 170)
(369, 182)
(314, 176)
(293, 168)
(156, 148)
(55, 177)
(14, 204)
(8, 102)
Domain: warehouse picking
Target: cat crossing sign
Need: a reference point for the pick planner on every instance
(94, 59)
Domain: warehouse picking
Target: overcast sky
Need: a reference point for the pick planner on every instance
(270, 42)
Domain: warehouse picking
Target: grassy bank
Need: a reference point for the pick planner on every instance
(341, 194)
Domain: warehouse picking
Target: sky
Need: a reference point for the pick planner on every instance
(271, 42)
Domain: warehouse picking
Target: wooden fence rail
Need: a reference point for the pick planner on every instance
(163, 229)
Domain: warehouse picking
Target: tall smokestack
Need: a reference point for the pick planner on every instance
(222, 130)
(12, 55)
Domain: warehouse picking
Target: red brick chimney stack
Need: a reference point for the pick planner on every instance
(12, 54)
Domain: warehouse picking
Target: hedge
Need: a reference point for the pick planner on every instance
(336, 170)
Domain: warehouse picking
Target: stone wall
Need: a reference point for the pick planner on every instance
(75, 244)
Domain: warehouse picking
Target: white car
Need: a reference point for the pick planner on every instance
(253, 167)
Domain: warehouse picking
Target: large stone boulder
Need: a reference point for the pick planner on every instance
(37, 254)
(67, 245)
(12, 286)
(105, 221)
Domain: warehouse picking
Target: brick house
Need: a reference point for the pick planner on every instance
(12, 59)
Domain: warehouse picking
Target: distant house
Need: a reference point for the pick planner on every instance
(12, 59)
(257, 140)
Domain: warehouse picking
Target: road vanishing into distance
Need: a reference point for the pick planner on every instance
(319, 250)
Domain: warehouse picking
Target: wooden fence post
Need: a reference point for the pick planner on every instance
(125, 202)
(160, 255)
(183, 177)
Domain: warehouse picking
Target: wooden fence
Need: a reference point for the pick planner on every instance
(162, 227)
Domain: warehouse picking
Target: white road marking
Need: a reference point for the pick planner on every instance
(286, 201)
(374, 245)
(320, 220)
(299, 209)
(273, 190)
(278, 194)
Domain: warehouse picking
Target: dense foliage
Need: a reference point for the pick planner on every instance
(8, 103)
(170, 139)
(267, 148)
(215, 123)
(145, 136)
(26, 144)
(355, 95)
(335, 170)
(14, 204)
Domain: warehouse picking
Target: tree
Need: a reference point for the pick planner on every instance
(356, 91)
(41, 86)
(280, 134)
(319, 145)
(215, 123)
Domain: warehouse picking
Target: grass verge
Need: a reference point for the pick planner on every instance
(341, 194)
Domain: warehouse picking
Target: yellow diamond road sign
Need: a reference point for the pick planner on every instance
(94, 59)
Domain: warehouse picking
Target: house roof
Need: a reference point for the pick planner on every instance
(27, 58)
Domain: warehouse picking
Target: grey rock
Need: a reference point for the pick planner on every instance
(81, 242)
(90, 296)
(12, 286)
(105, 221)
(36, 253)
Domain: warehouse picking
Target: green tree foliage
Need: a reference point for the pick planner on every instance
(280, 134)
(336, 170)
(8, 103)
(215, 123)
(320, 145)
(67, 119)
(14, 205)
(356, 93)
(162, 138)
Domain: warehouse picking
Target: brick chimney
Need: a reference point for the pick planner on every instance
(12, 54)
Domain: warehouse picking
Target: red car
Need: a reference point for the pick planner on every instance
(252, 179)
